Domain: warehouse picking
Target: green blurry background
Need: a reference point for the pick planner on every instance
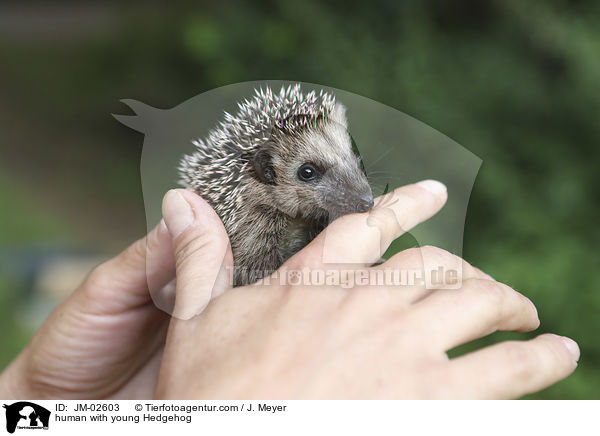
(517, 83)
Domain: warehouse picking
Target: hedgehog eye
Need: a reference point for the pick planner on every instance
(307, 172)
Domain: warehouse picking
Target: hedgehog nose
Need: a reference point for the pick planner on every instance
(366, 203)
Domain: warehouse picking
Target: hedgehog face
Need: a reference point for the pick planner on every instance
(316, 174)
(288, 152)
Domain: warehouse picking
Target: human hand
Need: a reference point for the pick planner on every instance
(271, 340)
(106, 339)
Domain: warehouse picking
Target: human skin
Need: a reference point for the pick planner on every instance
(270, 340)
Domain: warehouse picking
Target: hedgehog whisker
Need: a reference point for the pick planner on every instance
(372, 164)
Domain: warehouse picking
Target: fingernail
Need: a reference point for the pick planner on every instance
(433, 186)
(177, 213)
(572, 346)
(534, 310)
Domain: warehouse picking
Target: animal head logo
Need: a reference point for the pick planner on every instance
(26, 415)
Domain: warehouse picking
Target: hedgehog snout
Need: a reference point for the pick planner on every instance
(365, 203)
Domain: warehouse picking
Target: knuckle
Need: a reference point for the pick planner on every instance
(131, 258)
(414, 252)
(188, 248)
(437, 256)
(99, 276)
(386, 220)
(139, 248)
(523, 361)
(195, 242)
(432, 250)
(491, 295)
(395, 209)
(409, 258)
(135, 253)
(400, 222)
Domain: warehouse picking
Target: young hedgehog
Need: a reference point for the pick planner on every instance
(276, 173)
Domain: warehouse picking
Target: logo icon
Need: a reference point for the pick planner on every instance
(26, 415)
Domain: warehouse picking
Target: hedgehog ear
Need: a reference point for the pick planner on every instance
(262, 165)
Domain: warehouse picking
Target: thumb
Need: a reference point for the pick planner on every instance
(203, 257)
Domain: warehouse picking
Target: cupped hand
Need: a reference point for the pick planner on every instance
(106, 339)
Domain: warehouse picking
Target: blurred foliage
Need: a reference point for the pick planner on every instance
(514, 82)
(19, 336)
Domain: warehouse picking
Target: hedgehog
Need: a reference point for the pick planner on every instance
(277, 172)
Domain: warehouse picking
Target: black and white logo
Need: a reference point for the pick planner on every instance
(26, 415)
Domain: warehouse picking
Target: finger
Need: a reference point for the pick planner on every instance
(123, 281)
(363, 238)
(417, 272)
(511, 369)
(478, 308)
(203, 258)
(432, 259)
(160, 269)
